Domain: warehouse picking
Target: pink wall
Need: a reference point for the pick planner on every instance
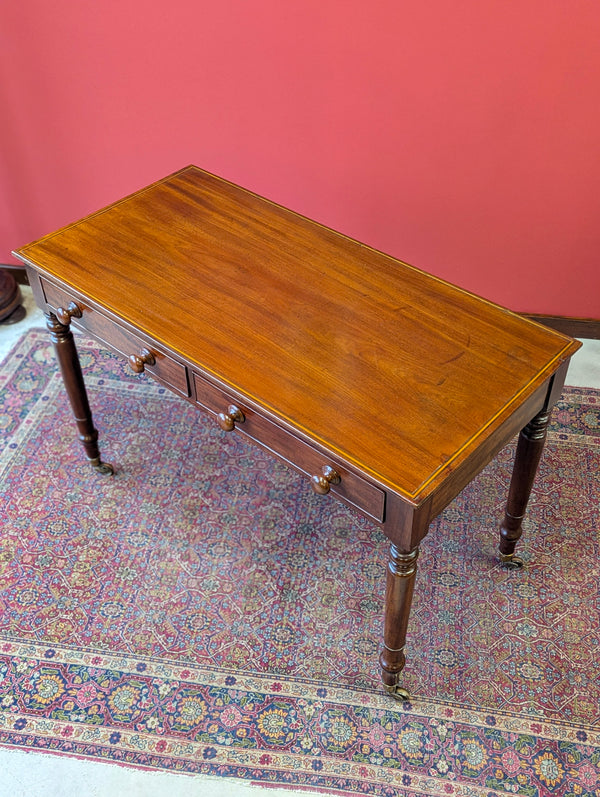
(460, 136)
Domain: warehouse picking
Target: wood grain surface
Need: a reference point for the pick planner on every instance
(396, 372)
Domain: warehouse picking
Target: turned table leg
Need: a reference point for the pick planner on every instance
(401, 573)
(68, 360)
(529, 450)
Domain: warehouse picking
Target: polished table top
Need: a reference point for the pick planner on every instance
(380, 382)
(394, 371)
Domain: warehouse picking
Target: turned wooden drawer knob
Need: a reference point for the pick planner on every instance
(65, 315)
(227, 420)
(321, 482)
(137, 362)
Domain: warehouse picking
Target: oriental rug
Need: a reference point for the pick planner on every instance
(203, 611)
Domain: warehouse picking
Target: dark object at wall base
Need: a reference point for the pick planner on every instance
(11, 309)
(575, 327)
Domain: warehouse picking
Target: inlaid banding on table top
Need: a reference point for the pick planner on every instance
(403, 444)
(366, 355)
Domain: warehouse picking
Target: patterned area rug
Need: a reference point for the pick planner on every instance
(203, 611)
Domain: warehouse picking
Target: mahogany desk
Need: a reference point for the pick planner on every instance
(390, 389)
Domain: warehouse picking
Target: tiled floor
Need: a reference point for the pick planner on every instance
(584, 370)
(24, 774)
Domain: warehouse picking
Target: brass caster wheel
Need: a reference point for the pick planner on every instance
(104, 468)
(511, 562)
(397, 692)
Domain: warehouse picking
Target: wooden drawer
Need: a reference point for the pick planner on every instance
(165, 368)
(351, 488)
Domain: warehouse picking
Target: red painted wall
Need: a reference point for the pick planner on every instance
(460, 136)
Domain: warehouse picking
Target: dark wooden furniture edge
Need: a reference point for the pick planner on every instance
(17, 271)
(574, 327)
(11, 299)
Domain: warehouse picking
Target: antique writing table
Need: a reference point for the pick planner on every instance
(390, 389)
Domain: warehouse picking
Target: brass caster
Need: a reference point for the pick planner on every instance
(511, 562)
(397, 692)
(104, 468)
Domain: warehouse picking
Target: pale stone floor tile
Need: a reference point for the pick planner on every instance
(10, 333)
(584, 368)
(28, 774)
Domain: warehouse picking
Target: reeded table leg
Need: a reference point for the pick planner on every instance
(401, 573)
(68, 360)
(529, 450)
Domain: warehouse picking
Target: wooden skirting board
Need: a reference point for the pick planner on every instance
(575, 327)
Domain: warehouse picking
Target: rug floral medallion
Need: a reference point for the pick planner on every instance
(202, 611)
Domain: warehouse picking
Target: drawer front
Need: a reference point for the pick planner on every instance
(351, 488)
(107, 331)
